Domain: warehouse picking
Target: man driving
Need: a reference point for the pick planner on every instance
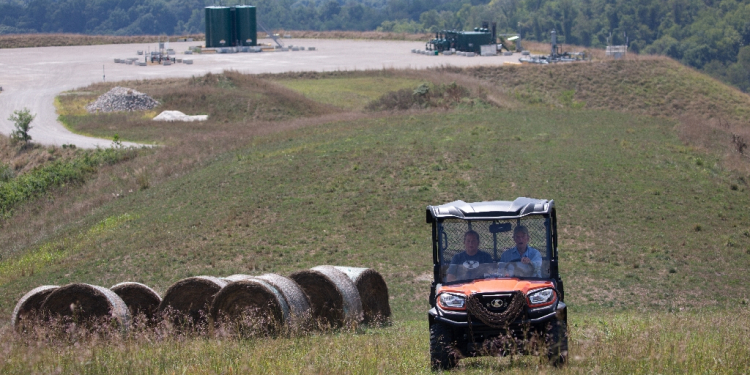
(470, 258)
(522, 252)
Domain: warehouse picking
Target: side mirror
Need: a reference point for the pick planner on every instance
(500, 228)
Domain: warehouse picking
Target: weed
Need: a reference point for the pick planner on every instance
(142, 178)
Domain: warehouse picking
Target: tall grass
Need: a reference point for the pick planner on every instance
(625, 343)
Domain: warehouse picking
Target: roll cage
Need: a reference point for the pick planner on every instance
(492, 219)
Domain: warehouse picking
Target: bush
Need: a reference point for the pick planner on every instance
(423, 96)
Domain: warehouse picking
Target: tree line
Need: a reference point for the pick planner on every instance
(710, 35)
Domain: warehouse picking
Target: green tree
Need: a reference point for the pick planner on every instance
(22, 120)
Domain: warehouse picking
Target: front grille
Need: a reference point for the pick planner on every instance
(495, 302)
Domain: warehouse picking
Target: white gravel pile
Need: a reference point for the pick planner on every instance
(179, 116)
(121, 99)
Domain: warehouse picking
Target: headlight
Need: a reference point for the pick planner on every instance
(541, 297)
(452, 301)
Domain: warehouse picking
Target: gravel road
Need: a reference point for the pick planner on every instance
(32, 77)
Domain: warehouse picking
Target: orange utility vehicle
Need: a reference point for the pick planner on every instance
(497, 288)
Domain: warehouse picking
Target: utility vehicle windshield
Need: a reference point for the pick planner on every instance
(478, 249)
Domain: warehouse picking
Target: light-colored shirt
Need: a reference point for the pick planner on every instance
(512, 255)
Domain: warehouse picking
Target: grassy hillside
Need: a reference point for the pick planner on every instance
(655, 233)
(710, 115)
(631, 197)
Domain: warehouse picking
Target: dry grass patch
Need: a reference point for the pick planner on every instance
(50, 40)
(16, 160)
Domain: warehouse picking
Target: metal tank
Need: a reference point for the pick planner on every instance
(218, 27)
(246, 28)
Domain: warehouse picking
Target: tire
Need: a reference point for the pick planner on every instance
(442, 351)
(557, 342)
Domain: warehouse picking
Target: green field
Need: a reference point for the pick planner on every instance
(655, 230)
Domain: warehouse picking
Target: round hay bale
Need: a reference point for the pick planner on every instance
(191, 298)
(299, 305)
(250, 302)
(237, 277)
(334, 299)
(373, 292)
(86, 302)
(29, 306)
(139, 298)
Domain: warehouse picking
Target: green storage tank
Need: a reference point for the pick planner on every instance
(218, 27)
(245, 25)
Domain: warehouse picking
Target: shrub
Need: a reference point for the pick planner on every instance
(60, 172)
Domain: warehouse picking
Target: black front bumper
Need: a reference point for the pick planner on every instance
(472, 336)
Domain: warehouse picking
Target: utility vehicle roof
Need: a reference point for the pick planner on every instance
(490, 210)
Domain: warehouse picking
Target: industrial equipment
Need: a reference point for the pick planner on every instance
(556, 55)
(463, 41)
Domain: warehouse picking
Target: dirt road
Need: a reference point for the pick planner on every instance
(32, 77)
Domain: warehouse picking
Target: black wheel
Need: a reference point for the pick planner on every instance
(557, 342)
(442, 352)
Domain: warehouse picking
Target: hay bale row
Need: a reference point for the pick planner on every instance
(332, 296)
